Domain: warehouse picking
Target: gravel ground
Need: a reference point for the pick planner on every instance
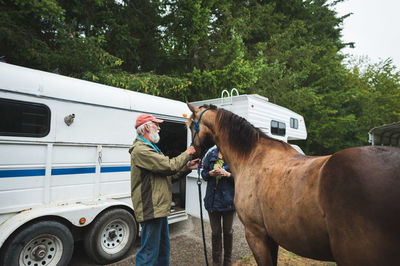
(187, 244)
(187, 248)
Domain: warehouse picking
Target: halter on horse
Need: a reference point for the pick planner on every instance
(196, 128)
(342, 207)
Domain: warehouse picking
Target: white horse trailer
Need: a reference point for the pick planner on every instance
(274, 120)
(65, 166)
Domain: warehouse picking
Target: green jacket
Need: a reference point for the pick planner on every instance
(151, 180)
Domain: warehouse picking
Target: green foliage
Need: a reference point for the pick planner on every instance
(186, 34)
(29, 31)
(239, 73)
(378, 95)
(286, 50)
(158, 85)
(72, 50)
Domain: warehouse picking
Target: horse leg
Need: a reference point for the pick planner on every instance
(264, 248)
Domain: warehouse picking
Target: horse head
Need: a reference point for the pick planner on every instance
(201, 128)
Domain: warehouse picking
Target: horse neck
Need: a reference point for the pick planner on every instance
(231, 155)
(238, 162)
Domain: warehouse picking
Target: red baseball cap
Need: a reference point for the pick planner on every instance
(146, 118)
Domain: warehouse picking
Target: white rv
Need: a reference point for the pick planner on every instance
(274, 120)
(65, 166)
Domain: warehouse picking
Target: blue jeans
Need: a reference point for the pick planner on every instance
(155, 243)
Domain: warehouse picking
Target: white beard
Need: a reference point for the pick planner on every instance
(154, 136)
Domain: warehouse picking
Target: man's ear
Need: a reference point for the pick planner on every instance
(147, 127)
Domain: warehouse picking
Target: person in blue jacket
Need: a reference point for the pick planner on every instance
(219, 204)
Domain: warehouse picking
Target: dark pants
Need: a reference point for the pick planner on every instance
(216, 233)
(155, 249)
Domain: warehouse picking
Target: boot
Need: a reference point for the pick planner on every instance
(228, 249)
(216, 242)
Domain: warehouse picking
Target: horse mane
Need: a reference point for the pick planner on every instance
(242, 135)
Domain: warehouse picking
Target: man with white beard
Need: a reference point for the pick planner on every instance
(151, 189)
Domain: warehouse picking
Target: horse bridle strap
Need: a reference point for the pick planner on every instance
(196, 127)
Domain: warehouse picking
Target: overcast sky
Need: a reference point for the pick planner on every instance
(374, 27)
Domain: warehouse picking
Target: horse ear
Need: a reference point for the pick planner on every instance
(192, 108)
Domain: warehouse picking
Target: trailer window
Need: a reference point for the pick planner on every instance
(294, 123)
(24, 119)
(173, 138)
(278, 128)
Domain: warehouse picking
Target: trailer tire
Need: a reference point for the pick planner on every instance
(110, 236)
(48, 243)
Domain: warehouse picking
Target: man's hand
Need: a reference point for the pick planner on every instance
(193, 164)
(191, 150)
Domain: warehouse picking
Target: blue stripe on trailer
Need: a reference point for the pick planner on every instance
(62, 171)
(22, 172)
(73, 171)
(113, 169)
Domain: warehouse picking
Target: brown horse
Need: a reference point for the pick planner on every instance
(343, 207)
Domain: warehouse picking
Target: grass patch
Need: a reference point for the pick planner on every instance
(285, 258)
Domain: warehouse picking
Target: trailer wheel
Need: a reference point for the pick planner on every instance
(110, 236)
(46, 243)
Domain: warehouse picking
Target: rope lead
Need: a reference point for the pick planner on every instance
(201, 212)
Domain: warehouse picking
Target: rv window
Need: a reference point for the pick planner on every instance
(278, 128)
(24, 119)
(294, 123)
